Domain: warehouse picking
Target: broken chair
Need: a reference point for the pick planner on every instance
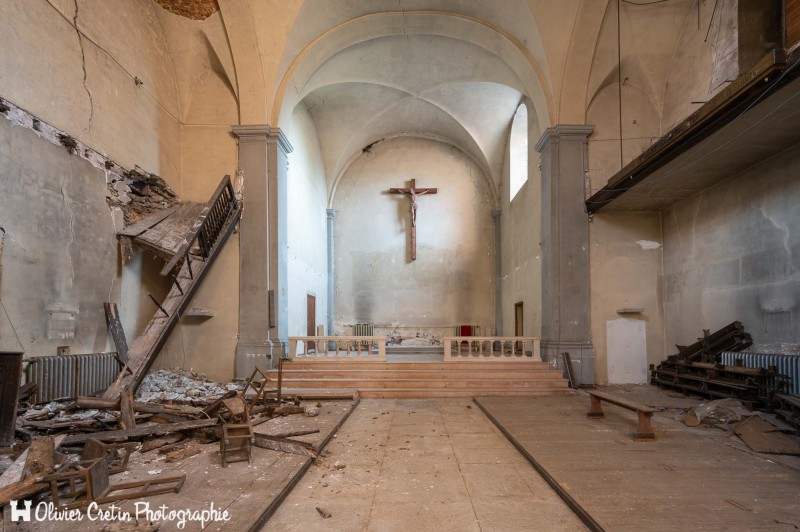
(116, 454)
(235, 445)
(259, 382)
(87, 481)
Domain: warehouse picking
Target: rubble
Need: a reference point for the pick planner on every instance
(181, 387)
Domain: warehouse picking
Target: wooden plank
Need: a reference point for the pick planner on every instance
(149, 430)
(143, 225)
(144, 408)
(10, 368)
(126, 418)
(763, 437)
(285, 445)
(622, 402)
(39, 460)
(166, 238)
(116, 330)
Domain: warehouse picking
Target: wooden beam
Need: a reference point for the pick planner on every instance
(116, 330)
(149, 430)
(285, 445)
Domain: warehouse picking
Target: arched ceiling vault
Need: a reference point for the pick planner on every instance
(430, 74)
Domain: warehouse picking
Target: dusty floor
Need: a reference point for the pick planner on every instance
(242, 489)
(688, 479)
(422, 464)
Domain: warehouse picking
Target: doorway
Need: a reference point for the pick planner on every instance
(311, 319)
(518, 324)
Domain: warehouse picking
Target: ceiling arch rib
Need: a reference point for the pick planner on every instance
(394, 60)
(350, 116)
(410, 24)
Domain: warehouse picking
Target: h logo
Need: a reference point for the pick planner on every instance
(24, 514)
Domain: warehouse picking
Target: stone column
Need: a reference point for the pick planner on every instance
(565, 249)
(498, 273)
(331, 216)
(263, 310)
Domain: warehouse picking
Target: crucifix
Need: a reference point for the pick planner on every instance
(412, 192)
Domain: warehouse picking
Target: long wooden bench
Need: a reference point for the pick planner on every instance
(645, 432)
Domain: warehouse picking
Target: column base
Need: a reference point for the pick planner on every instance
(263, 355)
(581, 355)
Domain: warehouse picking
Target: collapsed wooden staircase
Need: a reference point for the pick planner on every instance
(193, 258)
(423, 379)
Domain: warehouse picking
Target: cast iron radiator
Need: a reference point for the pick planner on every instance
(68, 376)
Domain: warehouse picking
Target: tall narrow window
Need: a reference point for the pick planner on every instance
(518, 150)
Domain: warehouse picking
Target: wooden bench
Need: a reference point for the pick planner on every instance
(645, 432)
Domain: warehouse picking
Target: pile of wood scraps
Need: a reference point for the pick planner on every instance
(696, 369)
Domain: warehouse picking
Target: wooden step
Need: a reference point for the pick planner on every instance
(526, 378)
(425, 383)
(415, 374)
(403, 393)
(438, 366)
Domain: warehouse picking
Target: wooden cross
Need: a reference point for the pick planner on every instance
(412, 192)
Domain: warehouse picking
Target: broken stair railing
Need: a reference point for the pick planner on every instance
(209, 226)
(204, 241)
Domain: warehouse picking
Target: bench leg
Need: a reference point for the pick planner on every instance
(596, 410)
(646, 432)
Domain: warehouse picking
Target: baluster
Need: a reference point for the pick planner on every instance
(480, 348)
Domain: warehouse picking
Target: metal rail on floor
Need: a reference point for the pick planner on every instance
(579, 510)
(277, 501)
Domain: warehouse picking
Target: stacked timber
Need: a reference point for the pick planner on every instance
(696, 369)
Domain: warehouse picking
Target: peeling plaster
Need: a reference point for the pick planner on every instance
(648, 244)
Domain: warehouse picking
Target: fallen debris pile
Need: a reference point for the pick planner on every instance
(697, 369)
(181, 387)
(77, 446)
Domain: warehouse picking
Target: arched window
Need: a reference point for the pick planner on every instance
(518, 167)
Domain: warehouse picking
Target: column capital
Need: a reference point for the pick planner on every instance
(331, 213)
(263, 133)
(563, 132)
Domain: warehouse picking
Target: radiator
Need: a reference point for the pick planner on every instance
(364, 329)
(786, 365)
(68, 376)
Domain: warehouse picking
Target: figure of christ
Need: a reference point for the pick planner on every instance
(412, 192)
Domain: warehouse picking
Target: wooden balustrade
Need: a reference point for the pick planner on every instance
(337, 348)
(492, 348)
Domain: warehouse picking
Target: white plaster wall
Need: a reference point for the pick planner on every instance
(521, 265)
(733, 253)
(307, 229)
(452, 280)
(626, 264)
(86, 86)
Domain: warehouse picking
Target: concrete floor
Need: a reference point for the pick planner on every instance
(422, 464)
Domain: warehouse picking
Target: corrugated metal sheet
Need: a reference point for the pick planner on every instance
(68, 376)
(786, 365)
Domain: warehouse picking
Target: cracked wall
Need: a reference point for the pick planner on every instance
(60, 257)
(452, 280)
(75, 64)
(733, 253)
